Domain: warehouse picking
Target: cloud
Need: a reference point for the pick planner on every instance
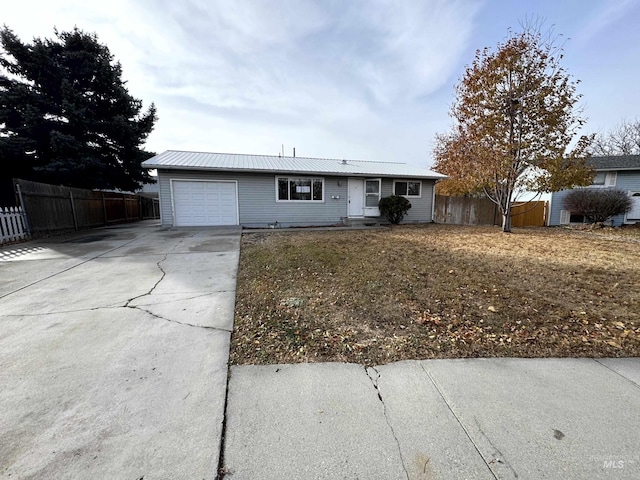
(329, 72)
(604, 17)
(417, 45)
(333, 66)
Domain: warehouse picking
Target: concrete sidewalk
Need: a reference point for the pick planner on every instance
(436, 419)
(113, 353)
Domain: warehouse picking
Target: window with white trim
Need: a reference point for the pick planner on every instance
(569, 218)
(299, 189)
(604, 179)
(407, 188)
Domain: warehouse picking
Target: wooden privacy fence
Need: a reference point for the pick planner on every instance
(13, 226)
(53, 208)
(466, 211)
(531, 214)
(482, 211)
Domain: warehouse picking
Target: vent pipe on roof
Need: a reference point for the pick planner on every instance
(344, 162)
(294, 152)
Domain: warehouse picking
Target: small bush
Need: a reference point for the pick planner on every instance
(394, 208)
(597, 205)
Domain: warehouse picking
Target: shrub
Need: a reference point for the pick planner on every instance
(597, 205)
(394, 208)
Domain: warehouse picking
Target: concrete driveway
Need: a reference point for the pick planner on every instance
(113, 364)
(113, 353)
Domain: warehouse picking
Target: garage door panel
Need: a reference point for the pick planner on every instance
(204, 203)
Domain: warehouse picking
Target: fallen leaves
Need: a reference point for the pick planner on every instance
(438, 291)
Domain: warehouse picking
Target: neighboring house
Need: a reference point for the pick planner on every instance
(620, 172)
(259, 190)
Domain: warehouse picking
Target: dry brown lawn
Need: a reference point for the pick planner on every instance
(436, 291)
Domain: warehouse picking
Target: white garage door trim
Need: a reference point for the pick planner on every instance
(176, 220)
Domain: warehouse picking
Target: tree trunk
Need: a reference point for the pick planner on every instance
(506, 220)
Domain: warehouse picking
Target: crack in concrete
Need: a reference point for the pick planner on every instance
(117, 305)
(160, 317)
(164, 274)
(500, 457)
(127, 303)
(444, 399)
(374, 382)
(200, 294)
(93, 309)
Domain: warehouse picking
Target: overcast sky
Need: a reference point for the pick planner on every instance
(356, 79)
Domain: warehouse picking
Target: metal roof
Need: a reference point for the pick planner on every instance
(616, 162)
(180, 160)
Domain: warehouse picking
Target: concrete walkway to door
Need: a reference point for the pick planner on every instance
(113, 353)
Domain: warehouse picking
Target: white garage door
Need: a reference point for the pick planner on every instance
(202, 203)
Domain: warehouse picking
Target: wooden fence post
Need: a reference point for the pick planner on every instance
(104, 210)
(4, 225)
(24, 211)
(126, 215)
(73, 210)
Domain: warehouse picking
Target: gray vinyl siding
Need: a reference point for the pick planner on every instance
(258, 206)
(421, 208)
(557, 198)
(627, 181)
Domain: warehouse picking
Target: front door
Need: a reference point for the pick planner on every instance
(364, 196)
(356, 197)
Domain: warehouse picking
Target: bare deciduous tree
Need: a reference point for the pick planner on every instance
(622, 140)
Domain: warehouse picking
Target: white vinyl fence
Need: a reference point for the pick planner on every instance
(12, 225)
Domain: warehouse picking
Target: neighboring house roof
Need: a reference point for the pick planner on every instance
(616, 162)
(172, 159)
